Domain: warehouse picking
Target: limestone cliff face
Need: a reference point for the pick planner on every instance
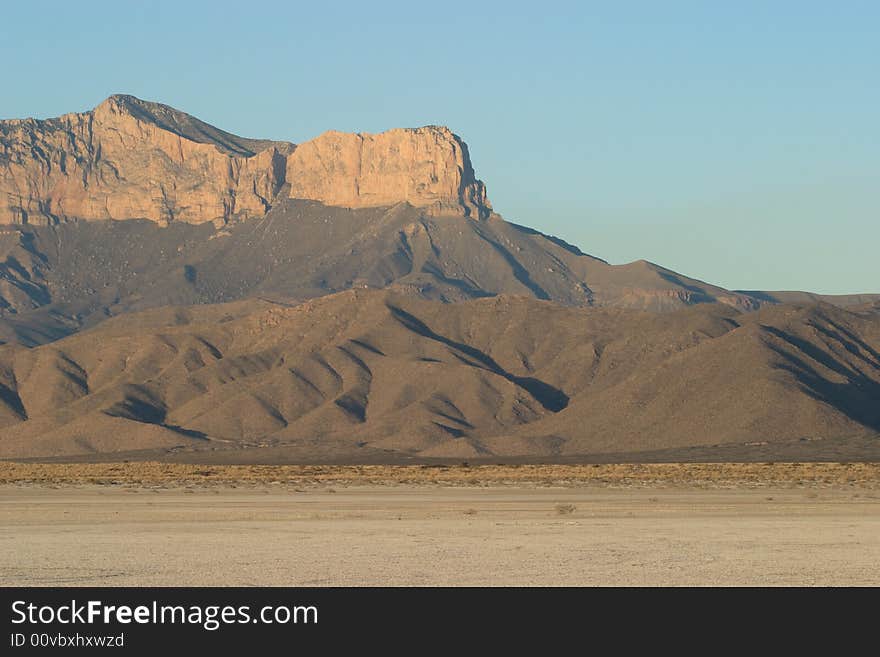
(427, 167)
(129, 159)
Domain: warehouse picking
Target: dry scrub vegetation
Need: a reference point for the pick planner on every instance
(710, 475)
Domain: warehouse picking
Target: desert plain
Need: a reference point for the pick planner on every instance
(349, 360)
(117, 524)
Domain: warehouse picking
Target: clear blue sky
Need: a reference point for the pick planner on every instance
(737, 142)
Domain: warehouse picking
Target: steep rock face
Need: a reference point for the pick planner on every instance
(425, 167)
(132, 159)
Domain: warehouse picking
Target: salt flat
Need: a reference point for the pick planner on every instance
(430, 535)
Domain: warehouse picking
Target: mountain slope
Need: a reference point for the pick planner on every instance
(136, 204)
(841, 300)
(170, 290)
(57, 279)
(375, 375)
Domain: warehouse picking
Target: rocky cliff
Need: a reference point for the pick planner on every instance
(427, 167)
(130, 159)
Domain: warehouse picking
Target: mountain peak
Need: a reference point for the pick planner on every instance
(127, 105)
(135, 159)
(180, 123)
(126, 101)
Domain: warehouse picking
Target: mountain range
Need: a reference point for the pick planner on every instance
(170, 290)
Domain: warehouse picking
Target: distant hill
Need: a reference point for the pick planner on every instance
(841, 300)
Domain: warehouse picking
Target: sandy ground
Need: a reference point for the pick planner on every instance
(514, 533)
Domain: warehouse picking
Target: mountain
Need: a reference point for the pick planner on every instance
(841, 300)
(170, 290)
(132, 159)
(135, 204)
(367, 375)
(57, 279)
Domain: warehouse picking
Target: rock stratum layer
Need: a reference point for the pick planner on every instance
(132, 159)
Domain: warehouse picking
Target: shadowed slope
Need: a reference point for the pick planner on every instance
(59, 279)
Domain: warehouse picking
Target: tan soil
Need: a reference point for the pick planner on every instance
(430, 535)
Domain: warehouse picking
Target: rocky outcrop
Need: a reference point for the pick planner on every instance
(129, 159)
(425, 167)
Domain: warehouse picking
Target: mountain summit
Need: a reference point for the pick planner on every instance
(133, 159)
